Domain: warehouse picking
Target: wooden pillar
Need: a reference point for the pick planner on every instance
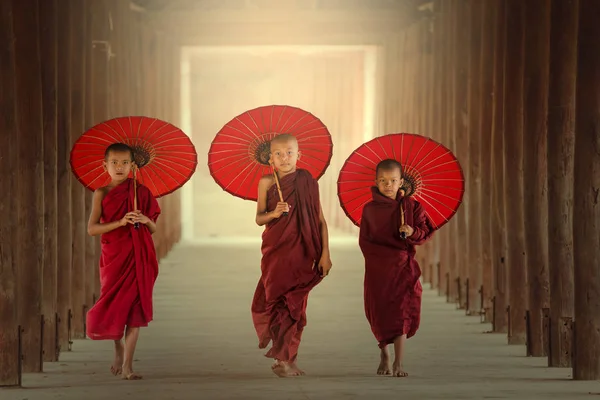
(474, 166)
(30, 181)
(537, 52)
(461, 48)
(78, 222)
(438, 118)
(561, 141)
(498, 221)
(450, 11)
(99, 86)
(10, 374)
(486, 60)
(89, 266)
(513, 106)
(48, 19)
(486, 109)
(586, 208)
(65, 233)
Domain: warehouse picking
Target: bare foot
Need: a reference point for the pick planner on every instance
(129, 375)
(295, 368)
(384, 365)
(117, 366)
(398, 371)
(283, 369)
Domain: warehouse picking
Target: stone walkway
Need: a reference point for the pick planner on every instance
(202, 345)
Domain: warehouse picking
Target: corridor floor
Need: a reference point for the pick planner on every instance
(202, 345)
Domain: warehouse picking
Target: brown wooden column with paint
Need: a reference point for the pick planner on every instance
(486, 108)
(10, 373)
(89, 121)
(461, 58)
(450, 10)
(473, 182)
(440, 116)
(561, 142)
(100, 49)
(535, 177)
(586, 210)
(498, 221)
(513, 135)
(48, 20)
(30, 181)
(78, 217)
(64, 177)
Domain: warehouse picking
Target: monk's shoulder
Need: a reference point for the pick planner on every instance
(266, 181)
(101, 193)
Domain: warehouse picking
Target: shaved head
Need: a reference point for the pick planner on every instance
(284, 138)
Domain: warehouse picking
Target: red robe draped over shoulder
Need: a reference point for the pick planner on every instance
(291, 247)
(128, 266)
(392, 291)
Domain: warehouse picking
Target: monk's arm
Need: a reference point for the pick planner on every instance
(262, 216)
(324, 232)
(95, 228)
(151, 226)
(422, 229)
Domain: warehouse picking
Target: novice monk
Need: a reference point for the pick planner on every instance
(392, 288)
(295, 258)
(128, 264)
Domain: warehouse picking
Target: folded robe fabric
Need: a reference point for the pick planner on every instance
(392, 291)
(128, 266)
(291, 249)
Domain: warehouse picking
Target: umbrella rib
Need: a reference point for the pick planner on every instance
(283, 128)
(166, 166)
(437, 200)
(415, 166)
(427, 192)
(240, 173)
(433, 207)
(244, 140)
(435, 159)
(152, 181)
(440, 165)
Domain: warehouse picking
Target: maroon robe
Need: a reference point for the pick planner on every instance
(128, 266)
(392, 291)
(291, 249)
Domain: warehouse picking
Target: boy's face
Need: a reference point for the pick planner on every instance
(118, 164)
(388, 182)
(285, 155)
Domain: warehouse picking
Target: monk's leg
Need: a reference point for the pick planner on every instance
(295, 345)
(384, 365)
(397, 369)
(131, 337)
(117, 366)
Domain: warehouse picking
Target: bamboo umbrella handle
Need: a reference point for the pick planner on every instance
(285, 213)
(136, 225)
(402, 234)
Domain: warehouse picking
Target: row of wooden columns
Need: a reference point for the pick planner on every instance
(511, 87)
(82, 63)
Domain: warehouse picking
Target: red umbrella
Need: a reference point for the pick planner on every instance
(165, 156)
(239, 154)
(432, 174)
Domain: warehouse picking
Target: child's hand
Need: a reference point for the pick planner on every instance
(407, 229)
(127, 219)
(324, 265)
(280, 209)
(141, 218)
